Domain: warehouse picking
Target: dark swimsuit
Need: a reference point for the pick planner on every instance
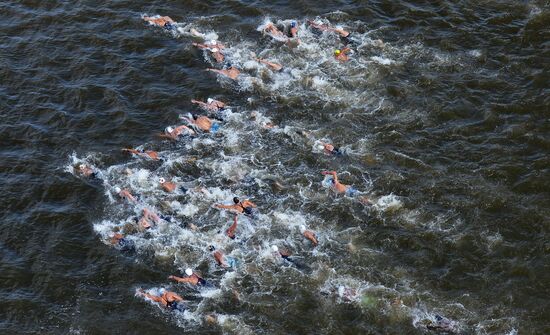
(176, 306)
(346, 39)
(169, 26)
(247, 210)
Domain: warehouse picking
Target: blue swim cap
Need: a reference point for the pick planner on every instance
(293, 24)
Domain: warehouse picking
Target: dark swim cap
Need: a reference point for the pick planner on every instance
(293, 24)
(211, 248)
(236, 200)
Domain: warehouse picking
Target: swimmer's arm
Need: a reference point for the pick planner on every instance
(341, 32)
(250, 203)
(152, 297)
(167, 136)
(222, 206)
(200, 103)
(346, 50)
(217, 71)
(201, 46)
(180, 128)
(168, 19)
(132, 151)
(127, 195)
(180, 280)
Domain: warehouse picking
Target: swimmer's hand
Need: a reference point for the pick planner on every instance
(327, 172)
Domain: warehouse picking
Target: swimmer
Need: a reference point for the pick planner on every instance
(165, 22)
(335, 183)
(166, 298)
(309, 235)
(168, 186)
(146, 154)
(230, 232)
(221, 259)
(231, 72)
(348, 190)
(192, 278)
(342, 55)
(85, 171)
(329, 149)
(264, 122)
(239, 206)
(125, 194)
(215, 48)
(274, 32)
(440, 324)
(150, 215)
(285, 254)
(173, 133)
(293, 29)
(117, 239)
(347, 293)
(273, 66)
(148, 218)
(202, 123)
(324, 27)
(210, 105)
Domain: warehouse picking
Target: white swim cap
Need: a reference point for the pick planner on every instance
(169, 129)
(302, 228)
(162, 290)
(209, 100)
(215, 50)
(162, 180)
(188, 271)
(81, 166)
(214, 42)
(274, 248)
(117, 189)
(320, 147)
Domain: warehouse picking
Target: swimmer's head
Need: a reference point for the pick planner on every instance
(337, 52)
(236, 200)
(117, 189)
(213, 42)
(215, 49)
(162, 180)
(169, 129)
(162, 290)
(274, 248)
(209, 100)
(293, 24)
(229, 65)
(82, 166)
(302, 228)
(211, 248)
(188, 271)
(320, 147)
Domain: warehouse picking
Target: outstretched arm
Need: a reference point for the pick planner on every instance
(222, 206)
(201, 46)
(216, 70)
(132, 151)
(150, 296)
(180, 279)
(200, 103)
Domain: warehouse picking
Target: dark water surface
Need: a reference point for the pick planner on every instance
(446, 126)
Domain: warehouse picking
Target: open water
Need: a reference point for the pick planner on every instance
(442, 115)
